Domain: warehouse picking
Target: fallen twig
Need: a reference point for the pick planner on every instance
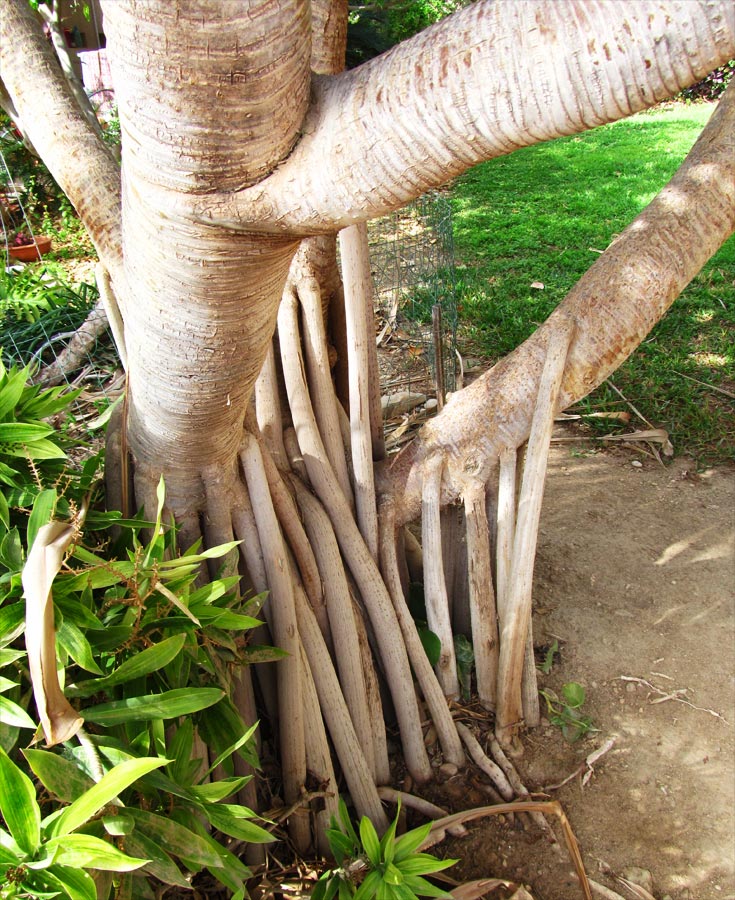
(711, 387)
(671, 695)
(586, 766)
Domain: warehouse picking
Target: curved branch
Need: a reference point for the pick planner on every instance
(614, 305)
(480, 84)
(74, 153)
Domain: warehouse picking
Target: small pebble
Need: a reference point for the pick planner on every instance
(448, 769)
(637, 464)
(630, 688)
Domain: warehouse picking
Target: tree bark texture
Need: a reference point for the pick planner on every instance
(241, 137)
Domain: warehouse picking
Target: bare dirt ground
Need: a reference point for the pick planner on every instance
(635, 578)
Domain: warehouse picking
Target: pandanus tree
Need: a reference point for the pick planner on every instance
(250, 160)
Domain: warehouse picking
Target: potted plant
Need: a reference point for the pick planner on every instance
(26, 247)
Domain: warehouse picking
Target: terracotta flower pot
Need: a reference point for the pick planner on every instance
(30, 252)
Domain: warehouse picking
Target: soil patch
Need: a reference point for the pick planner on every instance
(635, 579)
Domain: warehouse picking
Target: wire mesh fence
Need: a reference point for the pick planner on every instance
(412, 261)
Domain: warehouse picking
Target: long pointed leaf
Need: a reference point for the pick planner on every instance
(176, 838)
(150, 660)
(58, 775)
(43, 509)
(110, 785)
(18, 805)
(72, 639)
(161, 865)
(84, 851)
(168, 705)
(14, 715)
(77, 883)
(370, 841)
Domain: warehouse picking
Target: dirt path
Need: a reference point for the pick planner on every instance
(635, 578)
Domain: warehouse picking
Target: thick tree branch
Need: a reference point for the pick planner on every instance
(615, 304)
(73, 151)
(477, 85)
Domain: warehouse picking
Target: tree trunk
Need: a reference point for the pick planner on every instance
(233, 151)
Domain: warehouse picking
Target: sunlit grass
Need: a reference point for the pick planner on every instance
(544, 214)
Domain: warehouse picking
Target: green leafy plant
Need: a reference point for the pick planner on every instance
(36, 302)
(465, 655)
(565, 711)
(49, 856)
(548, 663)
(389, 868)
(149, 660)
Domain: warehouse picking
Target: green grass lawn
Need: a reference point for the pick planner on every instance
(540, 214)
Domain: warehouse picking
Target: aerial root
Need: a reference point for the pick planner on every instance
(300, 544)
(435, 589)
(425, 807)
(318, 757)
(334, 709)
(483, 612)
(321, 389)
(485, 764)
(516, 605)
(364, 389)
(285, 633)
(430, 687)
(343, 620)
(372, 590)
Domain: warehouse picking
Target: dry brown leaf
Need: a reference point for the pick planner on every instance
(472, 890)
(59, 720)
(655, 435)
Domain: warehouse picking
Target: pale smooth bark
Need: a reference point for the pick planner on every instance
(233, 152)
(358, 557)
(517, 619)
(285, 633)
(460, 92)
(358, 296)
(483, 613)
(435, 588)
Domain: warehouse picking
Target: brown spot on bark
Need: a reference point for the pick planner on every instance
(543, 28)
(591, 44)
(379, 95)
(444, 62)
(627, 28)
(606, 48)
(467, 60)
(647, 63)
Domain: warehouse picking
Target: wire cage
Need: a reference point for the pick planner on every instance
(412, 262)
